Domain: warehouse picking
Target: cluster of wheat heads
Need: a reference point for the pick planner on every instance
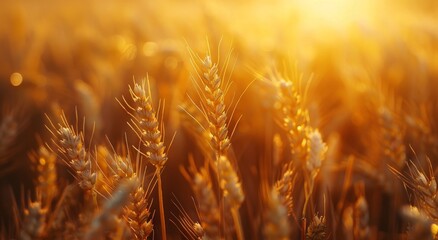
(87, 187)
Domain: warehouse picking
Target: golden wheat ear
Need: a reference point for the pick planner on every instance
(145, 123)
(207, 206)
(276, 224)
(44, 164)
(34, 220)
(316, 156)
(285, 186)
(421, 227)
(211, 90)
(125, 168)
(189, 228)
(356, 217)
(293, 117)
(317, 229)
(70, 144)
(306, 145)
(137, 213)
(107, 218)
(361, 218)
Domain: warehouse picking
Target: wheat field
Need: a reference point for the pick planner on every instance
(191, 119)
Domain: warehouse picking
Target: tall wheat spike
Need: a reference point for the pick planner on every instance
(214, 104)
(214, 110)
(145, 123)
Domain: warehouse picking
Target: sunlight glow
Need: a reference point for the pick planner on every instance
(16, 79)
(332, 13)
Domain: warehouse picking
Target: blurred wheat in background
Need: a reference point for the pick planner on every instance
(190, 119)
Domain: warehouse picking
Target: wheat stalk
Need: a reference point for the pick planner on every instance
(213, 109)
(232, 190)
(145, 124)
(306, 144)
(71, 147)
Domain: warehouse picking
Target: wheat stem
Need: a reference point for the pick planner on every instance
(160, 200)
(237, 223)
